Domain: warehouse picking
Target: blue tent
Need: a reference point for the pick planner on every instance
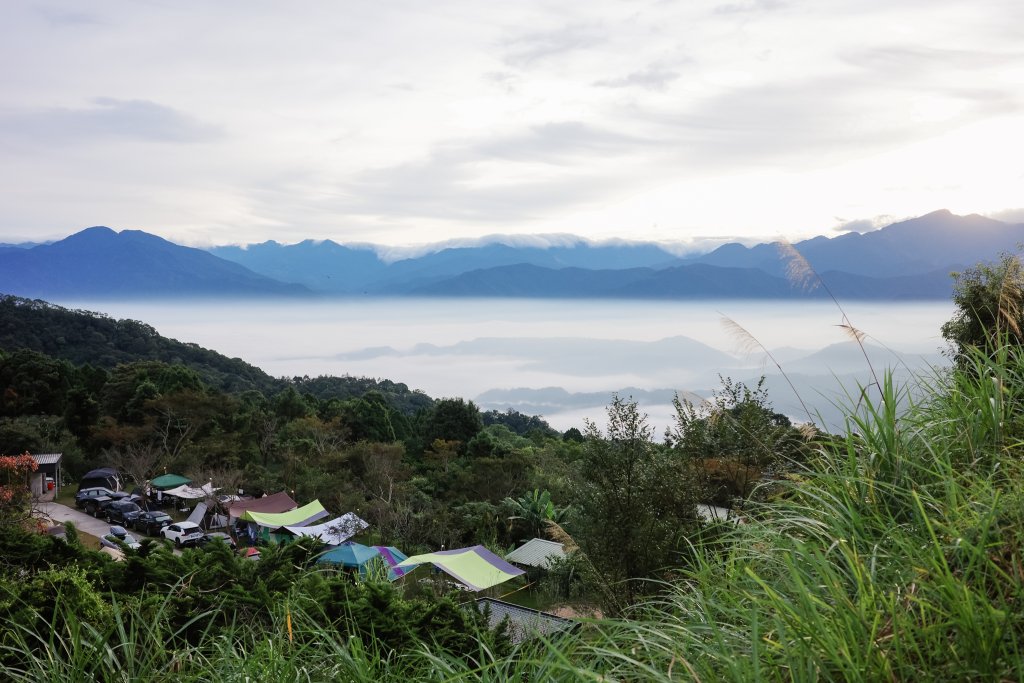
(349, 554)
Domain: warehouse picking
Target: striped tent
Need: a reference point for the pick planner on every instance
(476, 568)
(266, 525)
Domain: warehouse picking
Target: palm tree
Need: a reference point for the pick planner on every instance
(534, 510)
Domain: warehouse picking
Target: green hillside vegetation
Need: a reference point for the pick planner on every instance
(85, 337)
(890, 551)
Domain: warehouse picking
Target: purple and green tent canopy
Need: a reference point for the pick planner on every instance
(352, 554)
(392, 556)
(476, 568)
(311, 512)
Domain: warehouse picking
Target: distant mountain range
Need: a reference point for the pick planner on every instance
(101, 263)
(907, 260)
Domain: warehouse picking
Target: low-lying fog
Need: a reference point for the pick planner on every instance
(562, 359)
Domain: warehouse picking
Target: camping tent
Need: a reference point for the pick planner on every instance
(310, 512)
(476, 568)
(186, 491)
(169, 481)
(198, 515)
(392, 556)
(334, 532)
(104, 476)
(351, 554)
(277, 502)
(266, 523)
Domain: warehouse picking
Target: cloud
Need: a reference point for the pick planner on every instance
(862, 225)
(558, 142)
(515, 177)
(749, 7)
(444, 186)
(652, 78)
(530, 48)
(58, 18)
(390, 254)
(818, 121)
(901, 60)
(506, 80)
(110, 118)
(1008, 215)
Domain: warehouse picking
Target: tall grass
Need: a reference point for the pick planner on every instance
(896, 554)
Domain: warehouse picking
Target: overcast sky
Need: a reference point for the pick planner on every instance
(411, 122)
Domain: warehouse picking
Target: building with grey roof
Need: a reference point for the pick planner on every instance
(523, 623)
(536, 552)
(48, 469)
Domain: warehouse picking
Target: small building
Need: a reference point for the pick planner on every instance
(537, 553)
(48, 471)
(523, 623)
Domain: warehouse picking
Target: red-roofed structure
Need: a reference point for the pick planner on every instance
(272, 504)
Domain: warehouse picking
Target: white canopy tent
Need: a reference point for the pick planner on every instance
(334, 532)
(192, 493)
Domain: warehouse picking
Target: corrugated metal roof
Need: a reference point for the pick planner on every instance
(523, 622)
(47, 458)
(536, 553)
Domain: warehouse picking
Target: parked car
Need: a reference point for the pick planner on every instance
(119, 538)
(94, 506)
(152, 522)
(218, 537)
(183, 533)
(123, 511)
(85, 495)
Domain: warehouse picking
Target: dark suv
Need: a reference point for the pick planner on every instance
(152, 522)
(85, 495)
(97, 506)
(123, 511)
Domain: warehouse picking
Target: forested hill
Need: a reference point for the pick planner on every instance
(99, 340)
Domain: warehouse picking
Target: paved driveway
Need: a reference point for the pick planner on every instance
(62, 513)
(97, 527)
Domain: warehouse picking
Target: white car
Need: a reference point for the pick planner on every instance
(183, 533)
(118, 537)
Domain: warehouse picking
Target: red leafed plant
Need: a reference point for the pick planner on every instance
(15, 491)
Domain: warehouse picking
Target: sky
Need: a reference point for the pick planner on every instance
(403, 123)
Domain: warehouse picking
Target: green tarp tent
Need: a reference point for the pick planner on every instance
(476, 568)
(169, 481)
(269, 522)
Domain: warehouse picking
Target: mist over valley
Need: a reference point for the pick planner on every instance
(562, 359)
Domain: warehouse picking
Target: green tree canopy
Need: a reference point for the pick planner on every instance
(637, 503)
(451, 419)
(989, 299)
(736, 436)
